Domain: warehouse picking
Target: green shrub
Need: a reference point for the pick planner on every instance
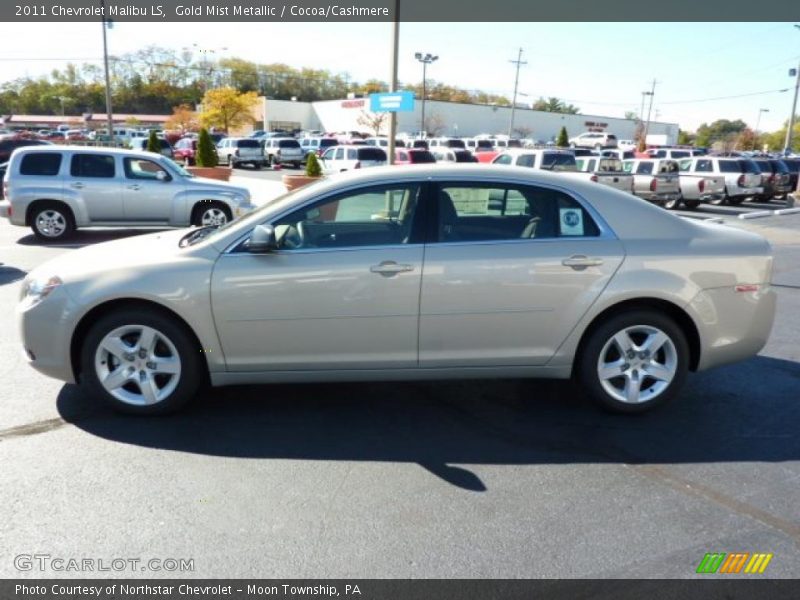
(563, 139)
(206, 155)
(152, 143)
(312, 166)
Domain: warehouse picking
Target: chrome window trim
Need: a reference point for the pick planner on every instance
(605, 231)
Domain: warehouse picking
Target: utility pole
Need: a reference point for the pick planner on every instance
(787, 147)
(519, 62)
(109, 113)
(650, 109)
(425, 59)
(761, 111)
(393, 83)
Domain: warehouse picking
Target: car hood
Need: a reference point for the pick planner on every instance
(123, 259)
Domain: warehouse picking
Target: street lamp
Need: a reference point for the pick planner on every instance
(109, 114)
(758, 122)
(642, 134)
(789, 132)
(425, 59)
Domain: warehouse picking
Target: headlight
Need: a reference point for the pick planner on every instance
(36, 290)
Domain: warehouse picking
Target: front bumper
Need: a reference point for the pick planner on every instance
(46, 330)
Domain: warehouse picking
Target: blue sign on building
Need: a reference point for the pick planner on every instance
(392, 102)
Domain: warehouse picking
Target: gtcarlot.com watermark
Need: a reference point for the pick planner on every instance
(60, 564)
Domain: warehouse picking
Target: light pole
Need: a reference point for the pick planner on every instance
(787, 149)
(758, 122)
(393, 84)
(109, 113)
(641, 142)
(651, 93)
(519, 62)
(425, 59)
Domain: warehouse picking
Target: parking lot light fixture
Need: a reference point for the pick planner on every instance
(787, 147)
(426, 59)
(758, 122)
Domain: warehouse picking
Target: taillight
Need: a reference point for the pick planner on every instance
(357, 165)
(740, 181)
(5, 192)
(653, 184)
(702, 185)
(594, 178)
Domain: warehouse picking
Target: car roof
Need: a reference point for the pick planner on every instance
(83, 150)
(516, 151)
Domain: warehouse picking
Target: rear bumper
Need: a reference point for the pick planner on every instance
(733, 326)
(5, 207)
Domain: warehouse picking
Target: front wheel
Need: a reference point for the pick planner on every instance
(634, 361)
(210, 213)
(140, 362)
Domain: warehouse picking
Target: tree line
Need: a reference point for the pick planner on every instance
(154, 80)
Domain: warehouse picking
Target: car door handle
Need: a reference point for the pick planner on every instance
(135, 186)
(390, 267)
(580, 260)
(77, 185)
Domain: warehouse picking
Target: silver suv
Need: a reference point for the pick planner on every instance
(239, 151)
(56, 189)
(742, 176)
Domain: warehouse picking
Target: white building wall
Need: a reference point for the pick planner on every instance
(465, 120)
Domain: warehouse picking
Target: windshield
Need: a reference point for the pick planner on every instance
(559, 162)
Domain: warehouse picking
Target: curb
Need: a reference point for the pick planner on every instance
(786, 211)
(757, 214)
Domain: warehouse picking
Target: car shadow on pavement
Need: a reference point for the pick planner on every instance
(10, 274)
(85, 237)
(742, 413)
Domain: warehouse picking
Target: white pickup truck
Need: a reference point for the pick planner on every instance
(606, 170)
(656, 180)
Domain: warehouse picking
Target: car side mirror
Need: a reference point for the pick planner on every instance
(162, 176)
(262, 239)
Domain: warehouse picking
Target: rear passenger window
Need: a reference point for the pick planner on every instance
(729, 166)
(486, 213)
(40, 164)
(645, 168)
(526, 160)
(704, 166)
(92, 165)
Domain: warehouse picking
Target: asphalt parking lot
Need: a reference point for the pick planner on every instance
(448, 479)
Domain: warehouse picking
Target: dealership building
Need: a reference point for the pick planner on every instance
(452, 119)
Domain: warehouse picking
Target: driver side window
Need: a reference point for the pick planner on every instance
(374, 216)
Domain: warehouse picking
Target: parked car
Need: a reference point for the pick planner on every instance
(699, 187)
(344, 158)
(479, 145)
(185, 150)
(446, 142)
(776, 179)
(236, 151)
(742, 176)
(793, 165)
(454, 155)
(3, 169)
(140, 145)
(656, 180)
(8, 145)
(606, 171)
(627, 145)
(673, 153)
(594, 139)
(57, 189)
(317, 145)
(542, 159)
(615, 153)
(584, 292)
(283, 151)
(413, 156)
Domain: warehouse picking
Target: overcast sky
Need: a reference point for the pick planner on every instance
(600, 67)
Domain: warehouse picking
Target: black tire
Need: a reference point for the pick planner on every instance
(736, 201)
(599, 342)
(691, 204)
(51, 221)
(176, 393)
(199, 210)
(673, 204)
(722, 200)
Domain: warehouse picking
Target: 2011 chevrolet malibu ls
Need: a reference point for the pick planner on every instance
(415, 273)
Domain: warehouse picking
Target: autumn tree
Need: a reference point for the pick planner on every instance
(226, 109)
(373, 121)
(183, 119)
(434, 124)
(555, 105)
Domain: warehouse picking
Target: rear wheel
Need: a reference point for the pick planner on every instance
(634, 361)
(736, 201)
(140, 362)
(673, 204)
(691, 204)
(52, 221)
